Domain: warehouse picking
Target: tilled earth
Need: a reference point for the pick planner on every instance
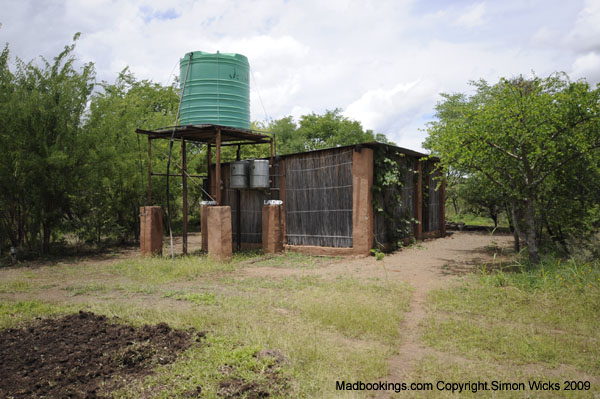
(82, 355)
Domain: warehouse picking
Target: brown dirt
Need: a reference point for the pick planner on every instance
(82, 355)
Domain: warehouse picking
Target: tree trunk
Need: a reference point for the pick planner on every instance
(455, 205)
(46, 238)
(515, 213)
(531, 232)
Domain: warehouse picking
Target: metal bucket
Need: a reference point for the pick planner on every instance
(259, 173)
(239, 174)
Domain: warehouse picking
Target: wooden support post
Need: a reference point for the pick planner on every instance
(282, 195)
(149, 203)
(271, 171)
(419, 201)
(208, 169)
(238, 200)
(443, 207)
(218, 169)
(184, 238)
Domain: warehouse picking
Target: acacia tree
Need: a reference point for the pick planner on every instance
(518, 133)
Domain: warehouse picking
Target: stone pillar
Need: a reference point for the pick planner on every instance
(219, 232)
(151, 230)
(362, 201)
(272, 239)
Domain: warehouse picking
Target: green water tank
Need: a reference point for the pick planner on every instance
(217, 90)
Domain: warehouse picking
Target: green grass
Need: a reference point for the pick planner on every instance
(520, 344)
(15, 314)
(292, 259)
(548, 315)
(474, 220)
(15, 286)
(204, 298)
(556, 294)
(433, 369)
(85, 289)
(326, 329)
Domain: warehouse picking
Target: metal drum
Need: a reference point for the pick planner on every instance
(239, 174)
(259, 173)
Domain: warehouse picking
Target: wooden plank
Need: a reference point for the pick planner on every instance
(208, 169)
(218, 169)
(419, 201)
(282, 193)
(184, 238)
(149, 203)
(443, 207)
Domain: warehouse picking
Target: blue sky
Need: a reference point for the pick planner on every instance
(383, 62)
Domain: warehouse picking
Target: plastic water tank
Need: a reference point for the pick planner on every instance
(239, 174)
(217, 90)
(259, 173)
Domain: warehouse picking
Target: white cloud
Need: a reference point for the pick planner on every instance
(585, 34)
(388, 109)
(384, 61)
(587, 66)
(473, 17)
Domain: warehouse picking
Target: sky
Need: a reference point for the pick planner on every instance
(384, 63)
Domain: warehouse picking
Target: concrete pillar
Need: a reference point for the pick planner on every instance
(219, 233)
(272, 238)
(151, 230)
(362, 201)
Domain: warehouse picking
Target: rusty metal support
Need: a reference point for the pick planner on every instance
(184, 238)
(179, 175)
(218, 168)
(149, 203)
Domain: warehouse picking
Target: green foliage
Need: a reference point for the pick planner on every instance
(481, 197)
(319, 131)
(389, 177)
(524, 136)
(117, 177)
(42, 111)
(76, 172)
(376, 252)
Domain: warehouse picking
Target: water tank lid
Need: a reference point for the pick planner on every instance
(206, 54)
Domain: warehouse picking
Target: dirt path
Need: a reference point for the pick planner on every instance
(432, 265)
(427, 266)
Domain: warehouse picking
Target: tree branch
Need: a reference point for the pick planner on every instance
(561, 164)
(496, 146)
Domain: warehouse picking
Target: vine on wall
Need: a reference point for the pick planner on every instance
(390, 175)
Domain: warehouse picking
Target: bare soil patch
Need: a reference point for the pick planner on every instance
(83, 355)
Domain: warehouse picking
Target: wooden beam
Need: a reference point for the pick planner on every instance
(418, 167)
(184, 238)
(271, 170)
(208, 169)
(218, 169)
(238, 200)
(149, 203)
(443, 206)
(282, 194)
